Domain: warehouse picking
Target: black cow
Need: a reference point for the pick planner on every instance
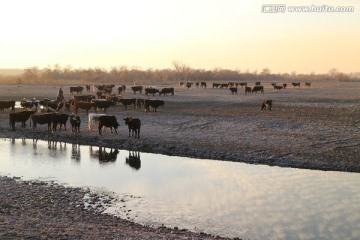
(151, 90)
(83, 105)
(284, 85)
(103, 104)
(278, 87)
(44, 118)
(121, 89)
(296, 84)
(59, 118)
(307, 84)
(165, 91)
(128, 101)
(203, 84)
(189, 84)
(243, 84)
(7, 104)
(108, 121)
(267, 104)
(77, 89)
(216, 85)
(29, 104)
(258, 88)
(247, 90)
(137, 89)
(87, 88)
(22, 117)
(134, 160)
(75, 122)
(134, 126)
(154, 103)
(233, 90)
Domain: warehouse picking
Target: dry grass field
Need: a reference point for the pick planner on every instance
(315, 127)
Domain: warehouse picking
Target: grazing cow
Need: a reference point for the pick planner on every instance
(83, 105)
(296, 84)
(108, 121)
(307, 84)
(189, 84)
(75, 122)
(77, 89)
(258, 88)
(134, 160)
(181, 83)
(244, 84)
(7, 104)
(284, 85)
(216, 85)
(22, 117)
(203, 84)
(247, 90)
(121, 89)
(134, 126)
(267, 104)
(233, 90)
(197, 84)
(87, 88)
(44, 118)
(102, 104)
(137, 89)
(278, 87)
(224, 85)
(84, 98)
(128, 101)
(93, 118)
(154, 103)
(165, 91)
(151, 90)
(59, 118)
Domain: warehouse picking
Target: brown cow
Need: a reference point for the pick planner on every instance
(108, 121)
(137, 89)
(22, 117)
(267, 104)
(296, 84)
(83, 105)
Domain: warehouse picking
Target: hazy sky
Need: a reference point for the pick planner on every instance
(230, 34)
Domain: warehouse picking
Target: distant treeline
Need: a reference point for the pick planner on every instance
(125, 75)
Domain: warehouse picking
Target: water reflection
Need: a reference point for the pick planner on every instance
(104, 155)
(75, 152)
(223, 198)
(134, 160)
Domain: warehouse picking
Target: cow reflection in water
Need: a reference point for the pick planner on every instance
(103, 155)
(53, 145)
(134, 160)
(75, 152)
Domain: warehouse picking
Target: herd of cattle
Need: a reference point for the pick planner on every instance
(104, 98)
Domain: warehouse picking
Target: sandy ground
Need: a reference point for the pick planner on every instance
(315, 128)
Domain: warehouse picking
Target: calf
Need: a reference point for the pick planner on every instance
(108, 121)
(267, 104)
(247, 90)
(75, 122)
(134, 125)
(19, 117)
(233, 90)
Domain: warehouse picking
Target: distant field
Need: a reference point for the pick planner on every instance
(11, 72)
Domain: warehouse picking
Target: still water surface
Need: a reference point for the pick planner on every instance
(222, 198)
